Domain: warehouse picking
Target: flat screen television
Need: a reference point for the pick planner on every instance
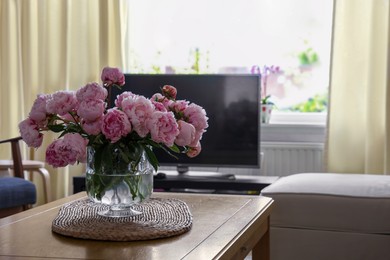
(232, 104)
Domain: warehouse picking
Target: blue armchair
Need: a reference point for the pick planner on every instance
(16, 193)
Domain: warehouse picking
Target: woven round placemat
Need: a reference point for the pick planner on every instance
(160, 218)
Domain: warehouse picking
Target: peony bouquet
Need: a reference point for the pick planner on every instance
(133, 125)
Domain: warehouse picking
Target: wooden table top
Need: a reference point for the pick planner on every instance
(223, 227)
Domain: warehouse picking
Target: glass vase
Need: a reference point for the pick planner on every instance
(118, 184)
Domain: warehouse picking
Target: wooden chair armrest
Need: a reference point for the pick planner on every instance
(16, 155)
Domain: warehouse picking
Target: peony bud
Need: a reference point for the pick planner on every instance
(194, 151)
(169, 92)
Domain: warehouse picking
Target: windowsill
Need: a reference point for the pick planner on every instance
(295, 127)
(298, 118)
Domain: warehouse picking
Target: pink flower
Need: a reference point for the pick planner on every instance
(111, 76)
(163, 127)
(194, 151)
(121, 97)
(78, 145)
(115, 125)
(53, 156)
(94, 127)
(196, 116)
(169, 91)
(159, 106)
(197, 138)
(69, 118)
(91, 109)
(160, 98)
(61, 102)
(255, 69)
(91, 91)
(38, 110)
(30, 133)
(138, 109)
(69, 150)
(179, 106)
(186, 133)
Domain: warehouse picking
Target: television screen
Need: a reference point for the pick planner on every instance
(232, 104)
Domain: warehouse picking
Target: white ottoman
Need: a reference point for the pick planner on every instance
(330, 216)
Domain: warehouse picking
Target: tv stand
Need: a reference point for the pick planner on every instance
(194, 181)
(205, 175)
(218, 182)
(184, 172)
(182, 169)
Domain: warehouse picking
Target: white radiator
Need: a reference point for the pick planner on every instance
(282, 158)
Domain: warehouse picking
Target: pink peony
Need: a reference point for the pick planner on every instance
(91, 91)
(179, 106)
(91, 109)
(70, 118)
(78, 144)
(61, 102)
(169, 91)
(38, 110)
(92, 128)
(30, 133)
(115, 125)
(121, 97)
(194, 151)
(197, 138)
(112, 76)
(138, 109)
(159, 106)
(186, 133)
(69, 150)
(160, 98)
(53, 156)
(163, 127)
(196, 116)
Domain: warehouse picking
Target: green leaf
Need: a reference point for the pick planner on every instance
(152, 143)
(174, 148)
(167, 150)
(151, 157)
(57, 128)
(73, 128)
(125, 155)
(98, 159)
(107, 158)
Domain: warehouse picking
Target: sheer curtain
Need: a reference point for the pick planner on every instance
(46, 46)
(359, 113)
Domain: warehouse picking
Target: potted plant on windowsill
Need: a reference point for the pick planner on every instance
(266, 109)
(266, 105)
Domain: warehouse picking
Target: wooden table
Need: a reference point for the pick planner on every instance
(224, 227)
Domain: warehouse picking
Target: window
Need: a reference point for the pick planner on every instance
(230, 36)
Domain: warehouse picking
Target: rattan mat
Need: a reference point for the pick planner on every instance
(161, 218)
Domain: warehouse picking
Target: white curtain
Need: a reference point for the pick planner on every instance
(46, 46)
(359, 112)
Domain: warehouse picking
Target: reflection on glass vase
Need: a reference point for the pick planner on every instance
(266, 110)
(118, 184)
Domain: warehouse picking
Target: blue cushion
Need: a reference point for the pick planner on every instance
(16, 192)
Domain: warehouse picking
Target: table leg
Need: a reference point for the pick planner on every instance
(262, 249)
